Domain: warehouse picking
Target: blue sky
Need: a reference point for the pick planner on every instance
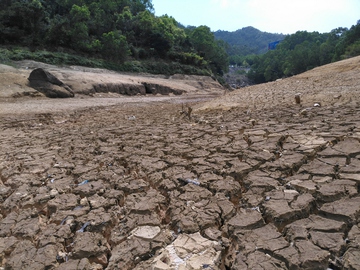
(274, 16)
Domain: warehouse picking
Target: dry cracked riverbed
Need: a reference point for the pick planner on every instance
(265, 184)
(145, 187)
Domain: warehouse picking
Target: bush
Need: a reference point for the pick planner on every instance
(352, 50)
(115, 46)
(61, 58)
(5, 56)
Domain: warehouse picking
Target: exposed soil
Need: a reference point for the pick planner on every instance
(247, 180)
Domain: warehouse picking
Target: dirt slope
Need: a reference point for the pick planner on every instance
(333, 84)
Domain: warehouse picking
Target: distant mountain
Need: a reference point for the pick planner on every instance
(247, 40)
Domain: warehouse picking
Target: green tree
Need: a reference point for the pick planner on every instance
(114, 46)
(347, 46)
(23, 21)
(58, 33)
(79, 34)
(210, 49)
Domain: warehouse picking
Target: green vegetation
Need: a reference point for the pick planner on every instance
(244, 44)
(61, 58)
(302, 51)
(121, 34)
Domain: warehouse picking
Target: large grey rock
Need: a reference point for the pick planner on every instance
(46, 83)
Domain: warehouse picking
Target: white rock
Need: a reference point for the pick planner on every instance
(84, 201)
(146, 232)
(53, 193)
(188, 251)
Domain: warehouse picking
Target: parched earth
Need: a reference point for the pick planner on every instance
(248, 180)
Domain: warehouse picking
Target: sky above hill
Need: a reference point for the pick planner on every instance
(273, 16)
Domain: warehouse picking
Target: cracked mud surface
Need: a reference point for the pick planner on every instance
(142, 186)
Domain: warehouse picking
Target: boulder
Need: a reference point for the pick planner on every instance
(46, 83)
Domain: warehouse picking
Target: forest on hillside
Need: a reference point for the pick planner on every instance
(114, 30)
(246, 41)
(303, 51)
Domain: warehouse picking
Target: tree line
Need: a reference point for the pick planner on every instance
(303, 51)
(115, 30)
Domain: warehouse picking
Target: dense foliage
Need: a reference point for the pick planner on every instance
(302, 51)
(246, 42)
(114, 30)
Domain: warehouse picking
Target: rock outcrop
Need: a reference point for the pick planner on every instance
(46, 83)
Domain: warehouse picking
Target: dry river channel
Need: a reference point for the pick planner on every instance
(154, 185)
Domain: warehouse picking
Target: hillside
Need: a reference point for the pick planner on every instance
(247, 40)
(331, 85)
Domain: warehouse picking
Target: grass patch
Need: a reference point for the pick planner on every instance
(154, 66)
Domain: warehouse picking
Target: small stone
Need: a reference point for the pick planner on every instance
(84, 201)
(146, 232)
(53, 193)
(102, 259)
